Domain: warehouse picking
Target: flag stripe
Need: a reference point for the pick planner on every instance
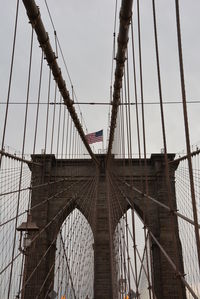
(95, 137)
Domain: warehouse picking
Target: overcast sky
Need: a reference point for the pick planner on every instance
(85, 31)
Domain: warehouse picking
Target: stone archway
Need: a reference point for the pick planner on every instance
(64, 195)
(74, 260)
(166, 283)
(51, 204)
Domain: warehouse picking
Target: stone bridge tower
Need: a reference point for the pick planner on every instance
(166, 285)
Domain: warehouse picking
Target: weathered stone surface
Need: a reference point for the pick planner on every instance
(166, 285)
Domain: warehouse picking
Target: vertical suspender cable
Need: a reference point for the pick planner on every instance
(54, 115)
(125, 18)
(167, 170)
(21, 167)
(10, 79)
(38, 102)
(36, 21)
(146, 210)
(58, 135)
(187, 133)
(47, 113)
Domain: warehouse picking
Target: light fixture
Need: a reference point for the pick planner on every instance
(25, 229)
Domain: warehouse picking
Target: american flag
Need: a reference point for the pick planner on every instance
(95, 137)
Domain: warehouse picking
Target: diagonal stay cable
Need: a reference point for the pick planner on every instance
(54, 239)
(157, 202)
(57, 194)
(42, 202)
(168, 258)
(115, 187)
(74, 226)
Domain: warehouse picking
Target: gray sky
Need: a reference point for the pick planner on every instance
(85, 30)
